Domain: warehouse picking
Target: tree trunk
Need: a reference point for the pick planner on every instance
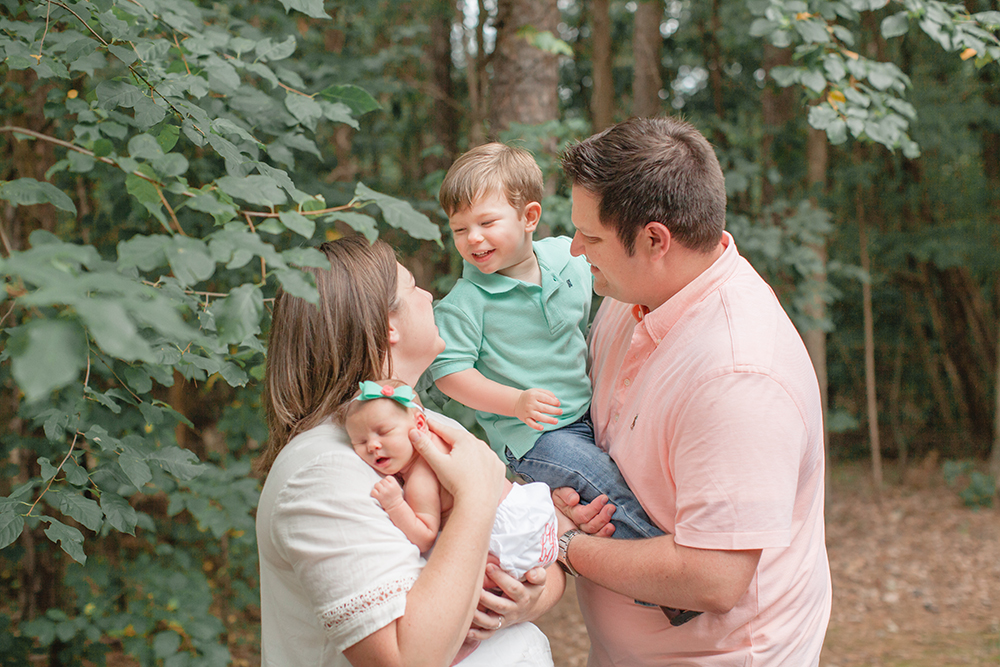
(710, 37)
(646, 46)
(866, 295)
(995, 455)
(775, 109)
(444, 123)
(815, 337)
(475, 72)
(951, 370)
(931, 368)
(602, 97)
(525, 78)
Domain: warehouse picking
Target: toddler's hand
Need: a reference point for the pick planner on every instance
(388, 493)
(534, 407)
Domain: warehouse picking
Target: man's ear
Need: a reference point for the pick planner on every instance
(656, 238)
(532, 214)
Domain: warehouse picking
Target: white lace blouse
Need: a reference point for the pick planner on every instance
(333, 567)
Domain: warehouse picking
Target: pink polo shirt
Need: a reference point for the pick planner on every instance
(711, 408)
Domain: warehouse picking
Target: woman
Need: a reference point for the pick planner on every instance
(339, 583)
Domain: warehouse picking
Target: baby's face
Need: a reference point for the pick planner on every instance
(380, 433)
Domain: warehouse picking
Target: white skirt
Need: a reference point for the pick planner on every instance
(521, 645)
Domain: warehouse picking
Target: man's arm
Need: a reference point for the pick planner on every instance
(658, 570)
(471, 388)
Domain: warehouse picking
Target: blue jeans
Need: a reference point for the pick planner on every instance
(568, 456)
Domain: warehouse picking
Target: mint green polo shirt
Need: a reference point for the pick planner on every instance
(521, 335)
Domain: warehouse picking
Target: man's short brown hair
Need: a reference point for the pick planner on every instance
(653, 170)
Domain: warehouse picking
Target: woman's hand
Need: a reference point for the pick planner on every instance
(465, 466)
(521, 601)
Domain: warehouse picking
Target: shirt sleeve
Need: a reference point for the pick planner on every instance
(355, 567)
(463, 337)
(735, 458)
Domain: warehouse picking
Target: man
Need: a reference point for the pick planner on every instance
(706, 399)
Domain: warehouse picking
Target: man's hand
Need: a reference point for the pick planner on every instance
(593, 518)
(534, 407)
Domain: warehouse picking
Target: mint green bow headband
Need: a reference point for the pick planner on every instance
(403, 395)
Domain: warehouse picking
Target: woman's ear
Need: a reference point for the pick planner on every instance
(393, 329)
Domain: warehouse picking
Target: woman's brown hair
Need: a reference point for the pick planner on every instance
(317, 354)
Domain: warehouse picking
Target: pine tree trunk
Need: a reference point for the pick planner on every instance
(525, 78)
(475, 73)
(602, 99)
(646, 47)
(815, 338)
(866, 295)
(444, 123)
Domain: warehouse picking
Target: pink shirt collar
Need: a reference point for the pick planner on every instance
(658, 322)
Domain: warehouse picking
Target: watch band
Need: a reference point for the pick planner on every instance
(563, 558)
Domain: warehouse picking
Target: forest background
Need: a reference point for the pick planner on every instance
(167, 164)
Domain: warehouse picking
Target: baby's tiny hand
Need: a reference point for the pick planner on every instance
(536, 406)
(388, 493)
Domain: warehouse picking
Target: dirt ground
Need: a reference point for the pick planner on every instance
(916, 579)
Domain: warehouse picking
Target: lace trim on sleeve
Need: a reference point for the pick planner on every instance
(369, 600)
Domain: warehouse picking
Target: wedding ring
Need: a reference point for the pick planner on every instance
(499, 622)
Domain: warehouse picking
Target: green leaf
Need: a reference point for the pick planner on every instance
(305, 109)
(400, 214)
(134, 466)
(46, 355)
(895, 25)
(238, 315)
(103, 399)
(69, 538)
(113, 330)
(298, 223)
(167, 138)
(118, 512)
(75, 473)
(785, 76)
(357, 99)
(821, 116)
(299, 284)
(126, 55)
(812, 30)
(143, 252)
(78, 507)
(45, 469)
(338, 113)
(269, 50)
(165, 644)
(114, 94)
(814, 80)
(11, 526)
(306, 257)
(182, 463)
(260, 190)
(313, 8)
(27, 191)
(190, 260)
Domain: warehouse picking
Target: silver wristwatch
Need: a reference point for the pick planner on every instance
(563, 559)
